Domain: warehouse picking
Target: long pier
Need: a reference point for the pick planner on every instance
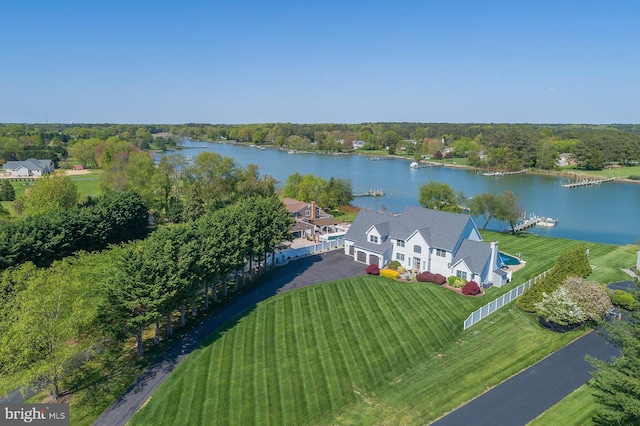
(504, 173)
(587, 182)
(371, 193)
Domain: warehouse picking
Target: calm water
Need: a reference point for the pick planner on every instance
(608, 213)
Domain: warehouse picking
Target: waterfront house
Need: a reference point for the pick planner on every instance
(309, 218)
(566, 159)
(426, 240)
(27, 168)
(358, 144)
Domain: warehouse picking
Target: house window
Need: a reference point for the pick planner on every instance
(307, 213)
(461, 274)
(400, 243)
(417, 249)
(441, 253)
(373, 239)
(400, 257)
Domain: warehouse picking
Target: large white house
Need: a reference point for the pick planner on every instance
(30, 167)
(426, 240)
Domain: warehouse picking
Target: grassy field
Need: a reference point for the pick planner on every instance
(357, 351)
(88, 185)
(575, 410)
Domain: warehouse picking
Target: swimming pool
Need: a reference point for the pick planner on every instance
(509, 260)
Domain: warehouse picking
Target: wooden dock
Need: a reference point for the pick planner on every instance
(371, 193)
(587, 182)
(533, 221)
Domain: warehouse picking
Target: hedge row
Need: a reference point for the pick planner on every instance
(112, 219)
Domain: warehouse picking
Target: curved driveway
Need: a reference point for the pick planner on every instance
(299, 273)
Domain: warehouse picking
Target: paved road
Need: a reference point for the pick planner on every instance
(299, 273)
(525, 396)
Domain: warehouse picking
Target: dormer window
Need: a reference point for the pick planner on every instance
(307, 213)
(400, 243)
(441, 253)
(373, 239)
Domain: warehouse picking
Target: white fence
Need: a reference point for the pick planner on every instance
(494, 305)
(284, 256)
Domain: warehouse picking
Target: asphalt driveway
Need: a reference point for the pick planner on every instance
(306, 271)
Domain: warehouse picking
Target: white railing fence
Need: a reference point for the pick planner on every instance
(284, 256)
(498, 303)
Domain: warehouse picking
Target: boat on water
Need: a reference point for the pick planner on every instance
(414, 165)
(374, 158)
(547, 221)
(493, 174)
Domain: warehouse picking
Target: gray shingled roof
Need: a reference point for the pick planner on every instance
(440, 229)
(474, 253)
(30, 164)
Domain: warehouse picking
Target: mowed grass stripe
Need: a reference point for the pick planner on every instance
(407, 322)
(284, 369)
(340, 351)
(341, 322)
(425, 328)
(233, 397)
(379, 327)
(261, 389)
(358, 344)
(396, 327)
(307, 398)
(328, 370)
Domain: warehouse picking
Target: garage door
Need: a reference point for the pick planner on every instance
(362, 257)
(351, 250)
(373, 259)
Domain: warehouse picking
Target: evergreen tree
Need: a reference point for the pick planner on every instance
(7, 193)
(616, 384)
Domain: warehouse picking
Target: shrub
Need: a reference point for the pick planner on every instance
(590, 296)
(623, 299)
(428, 277)
(471, 289)
(439, 279)
(456, 282)
(372, 269)
(389, 273)
(394, 264)
(402, 269)
(571, 263)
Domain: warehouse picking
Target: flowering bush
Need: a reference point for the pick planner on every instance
(558, 308)
(471, 289)
(390, 273)
(592, 298)
(372, 269)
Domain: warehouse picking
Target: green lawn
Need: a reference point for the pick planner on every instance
(623, 172)
(574, 410)
(357, 351)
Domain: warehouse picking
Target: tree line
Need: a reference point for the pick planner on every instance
(102, 298)
(495, 146)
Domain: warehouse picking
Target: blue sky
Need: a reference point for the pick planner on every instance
(319, 61)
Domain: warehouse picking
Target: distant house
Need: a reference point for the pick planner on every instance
(566, 159)
(358, 144)
(309, 218)
(426, 240)
(30, 167)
